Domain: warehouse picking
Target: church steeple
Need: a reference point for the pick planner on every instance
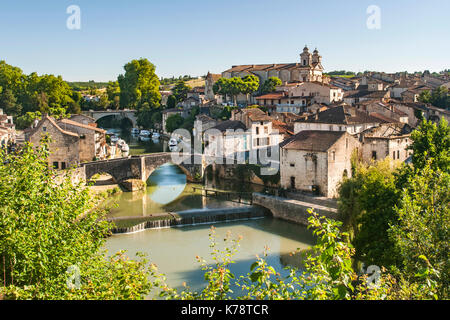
(305, 57)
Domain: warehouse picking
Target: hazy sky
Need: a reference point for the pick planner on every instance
(196, 36)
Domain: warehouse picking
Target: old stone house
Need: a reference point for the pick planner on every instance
(340, 118)
(92, 139)
(71, 142)
(387, 140)
(316, 161)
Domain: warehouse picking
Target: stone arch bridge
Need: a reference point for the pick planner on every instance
(140, 167)
(119, 114)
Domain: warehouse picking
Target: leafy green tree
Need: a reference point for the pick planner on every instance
(174, 122)
(49, 226)
(270, 85)
(139, 84)
(422, 234)
(250, 85)
(26, 120)
(366, 202)
(113, 93)
(431, 143)
(221, 87)
(171, 102)
(180, 90)
(8, 103)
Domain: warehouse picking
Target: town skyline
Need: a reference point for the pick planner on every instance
(213, 37)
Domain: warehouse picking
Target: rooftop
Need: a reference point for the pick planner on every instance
(319, 141)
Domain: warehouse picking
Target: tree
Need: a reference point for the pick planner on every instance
(270, 85)
(51, 226)
(250, 85)
(174, 122)
(113, 93)
(180, 90)
(422, 235)
(171, 102)
(9, 103)
(139, 84)
(235, 86)
(431, 143)
(367, 202)
(221, 87)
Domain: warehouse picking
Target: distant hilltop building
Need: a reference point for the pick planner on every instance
(308, 69)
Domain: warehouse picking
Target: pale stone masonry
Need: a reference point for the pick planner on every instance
(71, 142)
(317, 160)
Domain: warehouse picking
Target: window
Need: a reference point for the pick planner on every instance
(55, 165)
(292, 182)
(333, 154)
(393, 155)
(374, 155)
(266, 130)
(292, 165)
(257, 130)
(44, 129)
(398, 154)
(63, 165)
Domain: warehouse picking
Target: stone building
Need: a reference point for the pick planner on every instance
(71, 142)
(260, 126)
(340, 118)
(387, 140)
(308, 69)
(7, 130)
(92, 139)
(316, 161)
(210, 80)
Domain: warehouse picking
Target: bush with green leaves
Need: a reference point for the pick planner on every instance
(47, 226)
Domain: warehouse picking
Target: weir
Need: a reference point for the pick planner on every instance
(186, 218)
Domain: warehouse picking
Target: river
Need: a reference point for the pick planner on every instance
(174, 250)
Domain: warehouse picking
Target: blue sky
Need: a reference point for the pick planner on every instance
(197, 36)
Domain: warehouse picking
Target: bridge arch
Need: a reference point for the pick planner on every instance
(118, 114)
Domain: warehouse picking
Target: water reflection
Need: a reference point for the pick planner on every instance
(167, 191)
(166, 184)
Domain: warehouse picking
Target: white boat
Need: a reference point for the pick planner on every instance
(114, 139)
(173, 142)
(144, 133)
(135, 131)
(155, 135)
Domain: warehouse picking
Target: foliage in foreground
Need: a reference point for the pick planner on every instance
(49, 226)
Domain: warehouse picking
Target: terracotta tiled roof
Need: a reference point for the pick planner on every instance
(81, 125)
(319, 141)
(272, 96)
(340, 115)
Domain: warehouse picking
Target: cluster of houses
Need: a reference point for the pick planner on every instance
(320, 122)
(317, 123)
